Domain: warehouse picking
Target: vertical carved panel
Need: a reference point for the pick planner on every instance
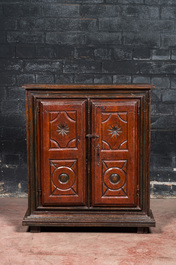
(115, 168)
(63, 151)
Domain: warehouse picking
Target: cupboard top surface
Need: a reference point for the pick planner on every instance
(88, 86)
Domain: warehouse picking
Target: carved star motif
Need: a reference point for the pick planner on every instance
(115, 130)
(63, 129)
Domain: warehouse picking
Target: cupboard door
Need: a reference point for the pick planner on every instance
(63, 151)
(114, 152)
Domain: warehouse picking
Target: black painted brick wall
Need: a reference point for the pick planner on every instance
(87, 41)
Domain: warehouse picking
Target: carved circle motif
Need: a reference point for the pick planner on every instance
(63, 178)
(114, 178)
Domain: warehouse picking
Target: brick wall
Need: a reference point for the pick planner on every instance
(87, 41)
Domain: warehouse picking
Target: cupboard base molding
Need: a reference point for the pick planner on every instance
(90, 220)
(88, 152)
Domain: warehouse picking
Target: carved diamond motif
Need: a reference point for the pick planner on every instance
(115, 130)
(63, 129)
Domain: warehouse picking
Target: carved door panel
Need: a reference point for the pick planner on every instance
(63, 154)
(114, 153)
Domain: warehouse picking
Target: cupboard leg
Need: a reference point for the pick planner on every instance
(142, 230)
(35, 229)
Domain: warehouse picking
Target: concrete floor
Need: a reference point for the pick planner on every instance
(87, 247)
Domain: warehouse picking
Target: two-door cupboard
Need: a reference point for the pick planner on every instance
(88, 156)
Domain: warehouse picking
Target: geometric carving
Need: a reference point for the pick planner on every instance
(115, 130)
(113, 123)
(63, 178)
(62, 128)
(62, 131)
(63, 175)
(114, 178)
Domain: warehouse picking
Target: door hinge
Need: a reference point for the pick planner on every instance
(137, 192)
(98, 155)
(38, 109)
(92, 136)
(40, 192)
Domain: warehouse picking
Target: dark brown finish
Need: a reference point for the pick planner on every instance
(35, 229)
(85, 87)
(88, 155)
(142, 230)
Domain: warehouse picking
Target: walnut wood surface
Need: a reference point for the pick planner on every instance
(88, 155)
(115, 121)
(63, 151)
(88, 86)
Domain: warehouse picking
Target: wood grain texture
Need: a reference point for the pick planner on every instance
(62, 134)
(115, 177)
(83, 86)
(88, 155)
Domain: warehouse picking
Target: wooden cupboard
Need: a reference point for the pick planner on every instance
(88, 156)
